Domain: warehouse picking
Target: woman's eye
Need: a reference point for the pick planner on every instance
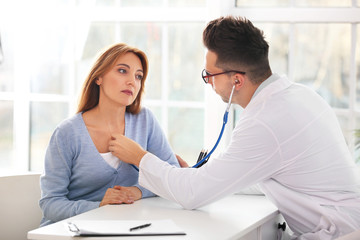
(139, 77)
(121, 70)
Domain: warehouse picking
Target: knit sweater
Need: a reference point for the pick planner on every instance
(76, 177)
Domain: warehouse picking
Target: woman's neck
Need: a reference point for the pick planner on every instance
(112, 118)
(109, 119)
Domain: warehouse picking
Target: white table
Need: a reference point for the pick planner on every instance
(234, 217)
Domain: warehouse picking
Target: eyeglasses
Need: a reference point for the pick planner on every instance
(205, 75)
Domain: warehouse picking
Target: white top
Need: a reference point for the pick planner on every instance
(112, 160)
(289, 141)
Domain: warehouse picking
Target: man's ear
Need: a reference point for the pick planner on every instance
(239, 81)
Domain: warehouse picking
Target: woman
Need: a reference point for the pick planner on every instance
(80, 173)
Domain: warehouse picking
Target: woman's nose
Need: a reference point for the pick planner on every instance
(131, 80)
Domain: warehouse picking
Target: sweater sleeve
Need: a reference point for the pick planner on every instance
(55, 180)
(158, 145)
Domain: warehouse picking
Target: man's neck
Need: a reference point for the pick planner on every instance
(253, 89)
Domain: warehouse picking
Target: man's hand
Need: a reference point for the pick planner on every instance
(126, 149)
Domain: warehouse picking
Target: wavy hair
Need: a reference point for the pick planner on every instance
(90, 94)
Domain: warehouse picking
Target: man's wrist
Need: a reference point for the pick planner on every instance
(139, 157)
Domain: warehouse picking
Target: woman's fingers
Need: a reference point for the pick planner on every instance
(117, 196)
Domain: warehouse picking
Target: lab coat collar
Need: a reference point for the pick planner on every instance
(271, 85)
(265, 83)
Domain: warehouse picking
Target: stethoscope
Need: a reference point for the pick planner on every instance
(225, 119)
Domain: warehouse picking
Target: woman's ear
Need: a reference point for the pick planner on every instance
(98, 81)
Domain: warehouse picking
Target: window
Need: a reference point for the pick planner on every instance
(322, 37)
(46, 53)
(47, 47)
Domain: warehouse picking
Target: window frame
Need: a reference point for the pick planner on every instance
(294, 15)
(213, 106)
(21, 94)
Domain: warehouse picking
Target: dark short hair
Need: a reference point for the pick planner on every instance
(239, 45)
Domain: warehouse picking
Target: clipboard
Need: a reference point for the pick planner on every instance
(122, 228)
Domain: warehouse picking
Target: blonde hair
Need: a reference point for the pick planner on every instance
(91, 91)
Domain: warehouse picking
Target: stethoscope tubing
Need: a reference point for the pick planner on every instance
(225, 119)
(217, 142)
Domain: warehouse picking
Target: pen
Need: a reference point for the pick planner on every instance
(200, 155)
(140, 227)
(205, 161)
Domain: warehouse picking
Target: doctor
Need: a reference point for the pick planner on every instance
(287, 140)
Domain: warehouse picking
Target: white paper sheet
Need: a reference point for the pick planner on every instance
(122, 228)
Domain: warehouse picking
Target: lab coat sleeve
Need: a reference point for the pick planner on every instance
(252, 156)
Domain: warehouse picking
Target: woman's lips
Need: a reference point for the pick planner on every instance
(128, 92)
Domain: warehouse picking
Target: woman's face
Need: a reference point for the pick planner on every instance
(121, 84)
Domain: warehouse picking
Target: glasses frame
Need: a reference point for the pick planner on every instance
(205, 75)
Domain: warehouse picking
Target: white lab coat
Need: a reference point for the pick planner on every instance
(289, 141)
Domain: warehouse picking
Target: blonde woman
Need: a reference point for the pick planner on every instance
(80, 172)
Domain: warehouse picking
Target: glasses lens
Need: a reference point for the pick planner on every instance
(204, 76)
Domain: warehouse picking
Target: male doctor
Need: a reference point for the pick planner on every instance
(287, 140)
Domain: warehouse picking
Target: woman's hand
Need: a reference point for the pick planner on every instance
(135, 191)
(119, 195)
(126, 149)
(182, 162)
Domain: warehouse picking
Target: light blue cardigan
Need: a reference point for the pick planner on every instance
(76, 177)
